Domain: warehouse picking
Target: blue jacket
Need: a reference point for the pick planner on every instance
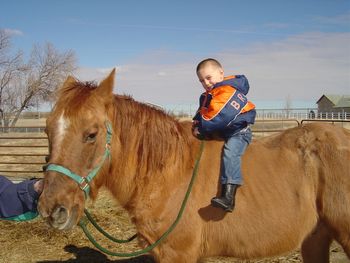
(18, 201)
(225, 109)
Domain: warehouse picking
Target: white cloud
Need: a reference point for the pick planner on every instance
(13, 32)
(93, 74)
(276, 25)
(161, 73)
(157, 83)
(303, 67)
(342, 19)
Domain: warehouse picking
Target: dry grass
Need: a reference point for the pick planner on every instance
(36, 242)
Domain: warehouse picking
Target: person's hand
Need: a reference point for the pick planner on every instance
(194, 123)
(195, 132)
(38, 186)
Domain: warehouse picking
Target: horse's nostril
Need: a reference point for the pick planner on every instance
(60, 215)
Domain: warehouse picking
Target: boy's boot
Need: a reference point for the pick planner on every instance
(227, 199)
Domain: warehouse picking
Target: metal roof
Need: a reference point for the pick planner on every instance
(344, 102)
(339, 101)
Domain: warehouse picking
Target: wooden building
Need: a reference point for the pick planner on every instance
(334, 104)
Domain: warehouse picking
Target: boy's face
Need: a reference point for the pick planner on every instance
(209, 75)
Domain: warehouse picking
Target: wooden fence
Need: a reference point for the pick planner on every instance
(22, 153)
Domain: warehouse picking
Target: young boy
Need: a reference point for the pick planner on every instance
(225, 112)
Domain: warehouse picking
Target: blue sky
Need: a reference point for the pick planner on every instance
(296, 49)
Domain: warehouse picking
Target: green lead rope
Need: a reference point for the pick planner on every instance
(83, 223)
(94, 223)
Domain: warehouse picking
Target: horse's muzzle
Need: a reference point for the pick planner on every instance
(61, 218)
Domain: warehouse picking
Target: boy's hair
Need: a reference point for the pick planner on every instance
(208, 61)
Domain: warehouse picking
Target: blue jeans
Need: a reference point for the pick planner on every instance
(233, 149)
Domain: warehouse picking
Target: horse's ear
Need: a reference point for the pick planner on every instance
(69, 82)
(105, 88)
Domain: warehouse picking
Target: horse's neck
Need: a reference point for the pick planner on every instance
(152, 150)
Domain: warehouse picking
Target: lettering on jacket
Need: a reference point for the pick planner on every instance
(220, 107)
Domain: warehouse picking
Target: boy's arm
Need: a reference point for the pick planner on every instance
(17, 199)
(202, 101)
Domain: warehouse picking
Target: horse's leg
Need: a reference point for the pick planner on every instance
(315, 248)
(343, 238)
(340, 224)
(345, 243)
(337, 217)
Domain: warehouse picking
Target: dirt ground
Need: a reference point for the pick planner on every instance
(35, 242)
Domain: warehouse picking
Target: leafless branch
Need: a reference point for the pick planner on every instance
(24, 84)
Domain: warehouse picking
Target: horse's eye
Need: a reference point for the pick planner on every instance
(91, 137)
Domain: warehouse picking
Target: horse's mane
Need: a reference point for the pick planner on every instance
(148, 134)
(154, 137)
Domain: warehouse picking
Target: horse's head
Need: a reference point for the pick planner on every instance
(78, 130)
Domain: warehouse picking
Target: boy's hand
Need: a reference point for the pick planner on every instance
(194, 124)
(195, 132)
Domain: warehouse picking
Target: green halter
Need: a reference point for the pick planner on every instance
(84, 182)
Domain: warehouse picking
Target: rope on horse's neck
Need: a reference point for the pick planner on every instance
(83, 223)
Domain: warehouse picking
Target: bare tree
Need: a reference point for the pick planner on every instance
(5, 45)
(45, 71)
(288, 106)
(23, 85)
(11, 66)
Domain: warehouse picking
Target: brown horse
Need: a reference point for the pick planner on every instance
(296, 192)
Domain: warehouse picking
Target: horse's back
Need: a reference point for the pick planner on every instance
(317, 154)
(318, 145)
(284, 185)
